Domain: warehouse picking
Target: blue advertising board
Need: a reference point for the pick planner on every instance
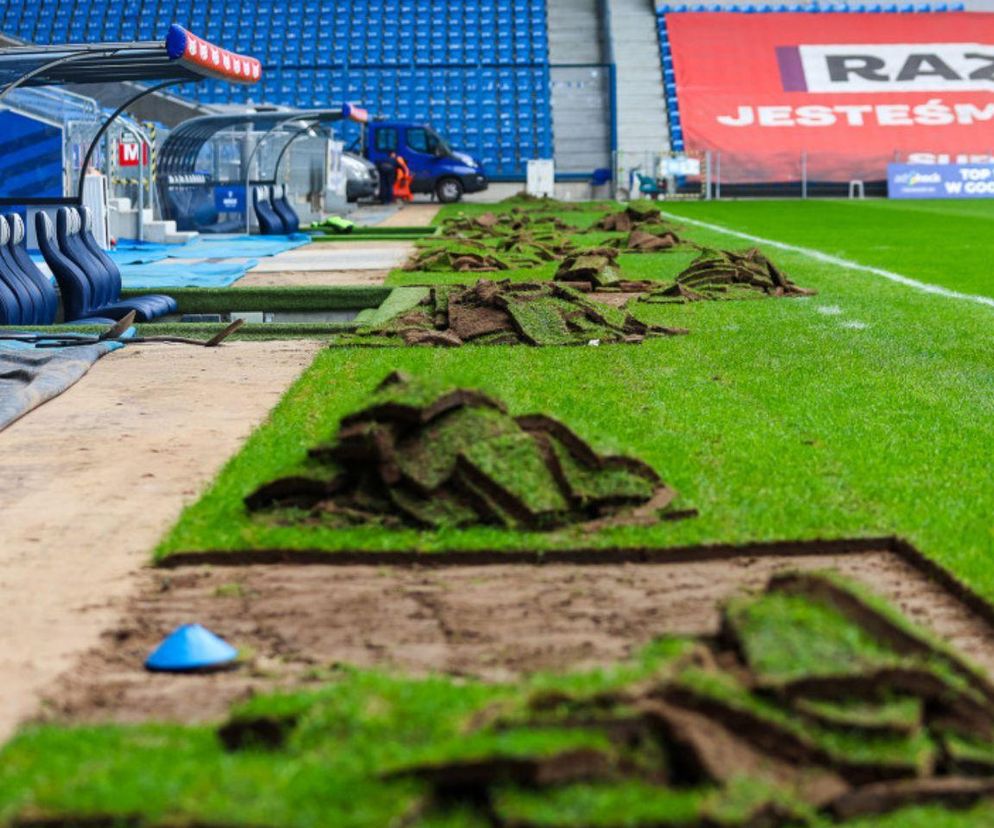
(229, 198)
(940, 180)
(30, 157)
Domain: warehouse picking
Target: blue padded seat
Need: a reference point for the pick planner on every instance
(269, 221)
(11, 310)
(90, 283)
(29, 298)
(148, 307)
(283, 208)
(46, 299)
(67, 226)
(73, 284)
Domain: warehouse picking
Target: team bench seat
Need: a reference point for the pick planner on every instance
(27, 296)
(273, 211)
(89, 280)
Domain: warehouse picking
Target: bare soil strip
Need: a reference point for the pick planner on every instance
(313, 278)
(94, 477)
(343, 255)
(412, 215)
(492, 622)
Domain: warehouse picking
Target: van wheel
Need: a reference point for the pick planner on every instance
(449, 190)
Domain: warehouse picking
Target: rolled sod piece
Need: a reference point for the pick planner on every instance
(727, 274)
(509, 313)
(423, 453)
(600, 270)
(700, 735)
(628, 219)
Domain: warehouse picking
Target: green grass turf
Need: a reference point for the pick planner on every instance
(862, 411)
(160, 770)
(940, 242)
(635, 266)
(346, 738)
(328, 774)
(811, 638)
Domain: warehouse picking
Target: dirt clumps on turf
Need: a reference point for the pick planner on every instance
(493, 225)
(465, 253)
(464, 258)
(429, 455)
(597, 268)
(711, 713)
(727, 274)
(629, 219)
(509, 313)
(527, 202)
(650, 239)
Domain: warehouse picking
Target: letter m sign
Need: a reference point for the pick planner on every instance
(127, 154)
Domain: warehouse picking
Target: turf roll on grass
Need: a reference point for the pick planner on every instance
(747, 710)
(508, 313)
(597, 268)
(493, 225)
(629, 219)
(424, 453)
(727, 274)
(649, 238)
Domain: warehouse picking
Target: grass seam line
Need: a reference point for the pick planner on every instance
(826, 258)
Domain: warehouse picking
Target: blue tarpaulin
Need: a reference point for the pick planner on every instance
(134, 244)
(30, 376)
(127, 257)
(161, 275)
(235, 247)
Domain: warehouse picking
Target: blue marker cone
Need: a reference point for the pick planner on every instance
(190, 647)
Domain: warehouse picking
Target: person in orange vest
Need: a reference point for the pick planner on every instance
(402, 183)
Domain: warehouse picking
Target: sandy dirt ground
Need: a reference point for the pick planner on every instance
(412, 215)
(360, 255)
(94, 477)
(492, 622)
(313, 278)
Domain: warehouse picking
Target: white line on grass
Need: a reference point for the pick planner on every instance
(907, 281)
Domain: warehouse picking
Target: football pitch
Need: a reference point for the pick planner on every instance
(861, 413)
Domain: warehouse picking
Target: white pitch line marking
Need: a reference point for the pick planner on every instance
(890, 275)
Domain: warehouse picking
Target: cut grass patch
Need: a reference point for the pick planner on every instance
(678, 735)
(775, 420)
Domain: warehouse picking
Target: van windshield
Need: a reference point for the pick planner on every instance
(436, 144)
(426, 140)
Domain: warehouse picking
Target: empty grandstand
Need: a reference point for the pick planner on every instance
(478, 71)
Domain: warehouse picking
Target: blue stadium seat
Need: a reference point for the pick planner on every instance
(357, 52)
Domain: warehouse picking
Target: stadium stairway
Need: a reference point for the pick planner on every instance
(641, 102)
(581, 132)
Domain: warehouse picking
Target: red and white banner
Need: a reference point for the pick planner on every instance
(849, 90)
